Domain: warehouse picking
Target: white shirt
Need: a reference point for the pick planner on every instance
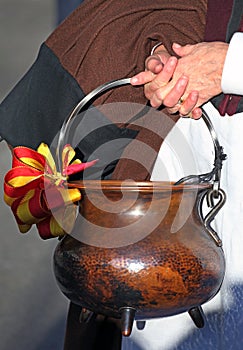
(224, 313)
(232, 77)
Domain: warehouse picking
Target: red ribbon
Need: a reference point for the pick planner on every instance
(38, 194)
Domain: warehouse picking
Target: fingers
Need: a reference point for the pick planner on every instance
(165, 75)
(162, 86)
(158, 88)
(188, 108)
(158, 75)
(196, 113)
(172, 98)
(142, 78)
(154, 64)
(189, 104)
(182, 50)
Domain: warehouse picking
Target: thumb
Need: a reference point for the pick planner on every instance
(182, 50)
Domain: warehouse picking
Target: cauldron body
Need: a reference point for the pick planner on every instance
(142, 246)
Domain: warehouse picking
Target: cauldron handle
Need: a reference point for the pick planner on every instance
(215, 208)
(214, 175)
(219, 156)
(81, 106)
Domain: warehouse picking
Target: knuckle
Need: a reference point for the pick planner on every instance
(159, 95)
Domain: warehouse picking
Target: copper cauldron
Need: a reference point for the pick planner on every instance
(142, 250)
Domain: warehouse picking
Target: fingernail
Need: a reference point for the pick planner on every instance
(133, 80)
(173, 59)
(176, 46)
(183, 80)
(194, 96)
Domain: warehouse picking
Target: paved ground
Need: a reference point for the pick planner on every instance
(32, 309)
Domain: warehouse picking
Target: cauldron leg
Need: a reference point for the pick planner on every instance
(140, 325)
(197, 316)
(127, 318)
(86, 315)
(98, 333)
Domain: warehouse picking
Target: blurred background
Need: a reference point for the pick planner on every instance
(32, 309)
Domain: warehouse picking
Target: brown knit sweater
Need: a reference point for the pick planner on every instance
(109, 39)
(105, 40)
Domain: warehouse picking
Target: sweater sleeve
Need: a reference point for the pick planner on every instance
(232, 77)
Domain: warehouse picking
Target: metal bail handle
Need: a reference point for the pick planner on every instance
(80, 107)
(214, 175)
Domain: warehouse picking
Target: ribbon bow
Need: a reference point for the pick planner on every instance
(37, 193)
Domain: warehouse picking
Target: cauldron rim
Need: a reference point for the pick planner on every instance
(129, 185)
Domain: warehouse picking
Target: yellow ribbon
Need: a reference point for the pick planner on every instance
(38, 194)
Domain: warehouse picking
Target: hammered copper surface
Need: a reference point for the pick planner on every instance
(164, 273)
